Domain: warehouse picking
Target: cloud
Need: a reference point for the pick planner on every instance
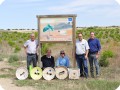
(29, 1)
(1, 1)
(118, 1)
(76, 5)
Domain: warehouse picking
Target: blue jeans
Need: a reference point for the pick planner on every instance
(82, 64)
(31, 59)
(93, 59)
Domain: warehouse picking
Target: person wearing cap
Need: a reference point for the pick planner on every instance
(93, 55)
(31, 47)
(63, 60)
(47, 60)
(82, 49)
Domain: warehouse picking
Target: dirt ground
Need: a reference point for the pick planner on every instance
(7, 83)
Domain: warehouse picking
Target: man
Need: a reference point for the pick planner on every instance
(82, 49)
(95, 47)
(63, 60)
(30, 47)
(48, 60)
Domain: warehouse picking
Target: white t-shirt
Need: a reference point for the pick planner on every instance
(31, 46)
(81, 46)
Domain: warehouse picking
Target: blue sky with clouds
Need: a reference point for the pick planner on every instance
(22, 13)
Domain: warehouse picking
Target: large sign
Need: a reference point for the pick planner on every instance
(56, 29)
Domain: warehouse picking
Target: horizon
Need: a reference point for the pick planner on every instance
(76, 27)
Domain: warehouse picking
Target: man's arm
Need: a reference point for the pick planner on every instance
(25, 48)
(86, 53)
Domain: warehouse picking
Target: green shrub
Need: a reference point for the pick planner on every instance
(1, 59)
(17, 49)
(0, 41)
(107, 54)
(20, 41)
(104, 62)
(11, 43)
(13, 58)
(104, 58)
(44, 48)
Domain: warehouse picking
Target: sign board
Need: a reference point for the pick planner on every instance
(48, 73)
(61, 72)
(56, 29)
(36, 73)
(74, 73)
(21, 73)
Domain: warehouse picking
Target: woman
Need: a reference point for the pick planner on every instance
(63, 60)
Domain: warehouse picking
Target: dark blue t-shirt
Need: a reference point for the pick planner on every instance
(94, 45)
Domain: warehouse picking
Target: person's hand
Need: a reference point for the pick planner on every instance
(37, 53)
(97, 56)
(86, 57)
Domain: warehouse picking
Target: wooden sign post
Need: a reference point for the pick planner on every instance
(57, 29)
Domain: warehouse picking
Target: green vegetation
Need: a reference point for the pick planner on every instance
(5, 76)
(107, 54)
(11, 43)
(13, 58)
(104, 34)
(17, 49)
(14, 39)
(7, 73)
(86, 84)
(45, 46)
(1, 59)
(104, 58)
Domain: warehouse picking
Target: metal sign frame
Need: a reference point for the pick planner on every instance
(73, 33)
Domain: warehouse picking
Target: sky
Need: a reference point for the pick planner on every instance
(22, 13)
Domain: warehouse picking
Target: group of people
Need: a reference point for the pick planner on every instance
(85, 51)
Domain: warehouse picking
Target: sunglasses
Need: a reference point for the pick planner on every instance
(62, 53)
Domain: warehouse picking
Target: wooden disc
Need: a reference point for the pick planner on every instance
(74, 74)
(21, 73)
(36, 73)
(61, 72)
(48, 73)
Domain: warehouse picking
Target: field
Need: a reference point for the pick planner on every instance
(12, 56)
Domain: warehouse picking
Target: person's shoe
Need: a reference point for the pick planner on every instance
(97, 75)
(86, 75)
(81, 75)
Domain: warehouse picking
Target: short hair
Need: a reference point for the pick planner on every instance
(32, 34)
(92, 32)
(80, 33)
(62, 51)
(48, 50)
